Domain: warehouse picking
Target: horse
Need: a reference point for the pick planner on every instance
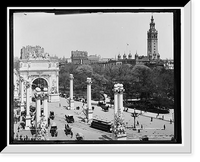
(68, 130)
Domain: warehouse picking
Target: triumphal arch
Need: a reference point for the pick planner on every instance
(41, 70)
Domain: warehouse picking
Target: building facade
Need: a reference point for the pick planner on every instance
(41, 69)
(79, 57)
(152, 58)
(93, 59)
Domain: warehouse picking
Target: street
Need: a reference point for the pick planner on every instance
(147, 123)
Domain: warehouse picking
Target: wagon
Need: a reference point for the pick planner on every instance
(105, 107)
(144, 138)
(69, 118)
(68, 130)
(53, 130)
(79, 136)
(52, 116)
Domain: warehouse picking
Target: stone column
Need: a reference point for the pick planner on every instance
(71, 100)
(38, 107)
(46, 104)
(57, 83)
(89, 106)
(22, 94)
(120, 99)
(30, 93)
(115, 90)
(28, 117)
(119, 132)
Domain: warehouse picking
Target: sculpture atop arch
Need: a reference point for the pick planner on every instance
(34, 52)
(36, 64)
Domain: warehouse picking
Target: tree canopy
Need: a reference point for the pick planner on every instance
(139, 81)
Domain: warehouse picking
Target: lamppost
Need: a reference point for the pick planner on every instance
(134, 115)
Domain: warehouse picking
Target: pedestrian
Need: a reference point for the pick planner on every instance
(151, 119)
(141, 126)
(170, 121)
(164, 126)
(18, 128)
(137, 122)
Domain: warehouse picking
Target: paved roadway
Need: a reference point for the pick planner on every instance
(153, 129)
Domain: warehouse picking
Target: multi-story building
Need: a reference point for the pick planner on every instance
(169, 64)
(93, 59)
(153, 57)
(79, 57)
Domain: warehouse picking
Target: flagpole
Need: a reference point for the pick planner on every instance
(127, 47)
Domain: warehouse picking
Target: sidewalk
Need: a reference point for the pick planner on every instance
(165, 117)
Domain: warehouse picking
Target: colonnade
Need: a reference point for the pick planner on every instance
(89, 111)
(39, 95)
(43, 95)
(118, 105)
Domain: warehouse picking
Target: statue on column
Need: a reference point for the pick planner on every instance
(89, 106)
(28, 117)
(118, 128)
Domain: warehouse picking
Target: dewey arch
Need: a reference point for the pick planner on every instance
(41, 69)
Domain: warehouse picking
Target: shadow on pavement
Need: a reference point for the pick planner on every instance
(82, 119)
(105, 137)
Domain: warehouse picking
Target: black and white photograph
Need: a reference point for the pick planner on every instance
(110, 77)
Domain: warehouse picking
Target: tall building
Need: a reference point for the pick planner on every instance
(152, 41)
(152, 58)
(79, 57)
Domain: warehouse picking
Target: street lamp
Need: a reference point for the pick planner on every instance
(134, 115)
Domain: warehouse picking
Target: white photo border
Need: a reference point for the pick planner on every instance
(186, 109)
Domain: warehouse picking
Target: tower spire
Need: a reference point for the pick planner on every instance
(152, 40)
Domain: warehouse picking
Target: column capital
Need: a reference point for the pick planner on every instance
(71, 76)
(118, 88)
(45, 96)
(89, 81)
(21, 79)
(38, 96)
(27, 83)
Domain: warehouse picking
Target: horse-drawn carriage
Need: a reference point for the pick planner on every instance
(79, 137)
(69, 118)
(144, 138)
(53, 130)
(68, 130)
(100, 103)
(105, 107)
(51, 115)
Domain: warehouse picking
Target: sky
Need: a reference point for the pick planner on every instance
(104, 34)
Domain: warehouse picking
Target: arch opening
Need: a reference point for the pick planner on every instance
(39, 82)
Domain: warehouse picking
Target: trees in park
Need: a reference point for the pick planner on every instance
(155, 85)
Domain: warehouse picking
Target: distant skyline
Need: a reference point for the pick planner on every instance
(104, 34)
